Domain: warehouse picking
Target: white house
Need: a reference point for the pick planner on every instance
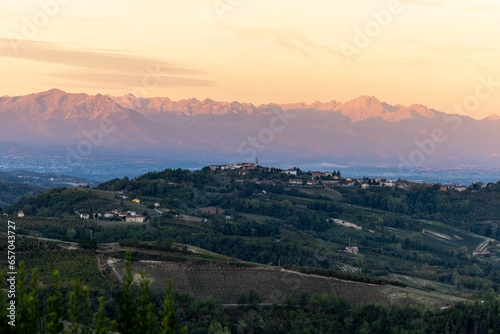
(135, 219)
(290, 172)
(109, 214)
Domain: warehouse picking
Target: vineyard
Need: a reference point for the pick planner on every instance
(225, 283)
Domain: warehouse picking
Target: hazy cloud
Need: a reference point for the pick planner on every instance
(453, 51)
(104, 65)
(105, 79)
(447, 3)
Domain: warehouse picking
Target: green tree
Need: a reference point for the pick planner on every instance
(101, 322)
(92, 244)
(55, 311)
(126, 303)
(71, 233)
(28, 310)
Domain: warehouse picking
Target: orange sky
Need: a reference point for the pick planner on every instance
(259, 51)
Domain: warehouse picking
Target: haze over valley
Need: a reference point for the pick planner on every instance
(407, 139)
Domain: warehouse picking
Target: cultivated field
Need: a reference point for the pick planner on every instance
(227, 282)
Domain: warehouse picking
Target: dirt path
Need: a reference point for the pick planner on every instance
(483, 244)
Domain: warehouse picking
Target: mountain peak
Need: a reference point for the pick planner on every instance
(365, 99)
(492, 118)
(363, 108)
(52, 92)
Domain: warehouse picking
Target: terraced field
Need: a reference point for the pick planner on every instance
(226, 283)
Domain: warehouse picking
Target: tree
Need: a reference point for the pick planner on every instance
(169, 318)
(216, 328)
(55, 311)
(101, 321)
(82, 240)
(92, 244)
(126, 304)
(71, 233)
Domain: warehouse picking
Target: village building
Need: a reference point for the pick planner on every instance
(20, 214)
(480, 253)
(352, 250)
(387, 183)
(109, 214)
(290, 172)
(270, 182)
(321, 174)
(135, 219)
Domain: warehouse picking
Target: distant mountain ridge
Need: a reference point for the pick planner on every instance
(364, 129)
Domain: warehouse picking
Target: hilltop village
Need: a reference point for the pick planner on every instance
(253, 172)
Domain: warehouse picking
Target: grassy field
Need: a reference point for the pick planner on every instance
(259, 218)
(110, 195)
(440, 287)
(332, 194)
(454, 237)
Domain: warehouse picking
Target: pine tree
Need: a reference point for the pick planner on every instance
(55, 311)
(126, 303)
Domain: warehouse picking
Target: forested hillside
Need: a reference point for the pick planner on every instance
(10, 192)
(420, 237)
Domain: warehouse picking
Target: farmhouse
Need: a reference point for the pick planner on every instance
(480, 253)
(271, 182)
(295, 182)
(405, 185)
(352, 250)
(290, 172)
(135, 219)
(84, 215)
(320, 174)
(387, 183)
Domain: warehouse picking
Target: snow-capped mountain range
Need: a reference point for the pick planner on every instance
(364, 129)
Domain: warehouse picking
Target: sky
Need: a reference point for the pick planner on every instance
(440, 53)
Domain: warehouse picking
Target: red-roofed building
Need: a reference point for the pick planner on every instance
(480, 253)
